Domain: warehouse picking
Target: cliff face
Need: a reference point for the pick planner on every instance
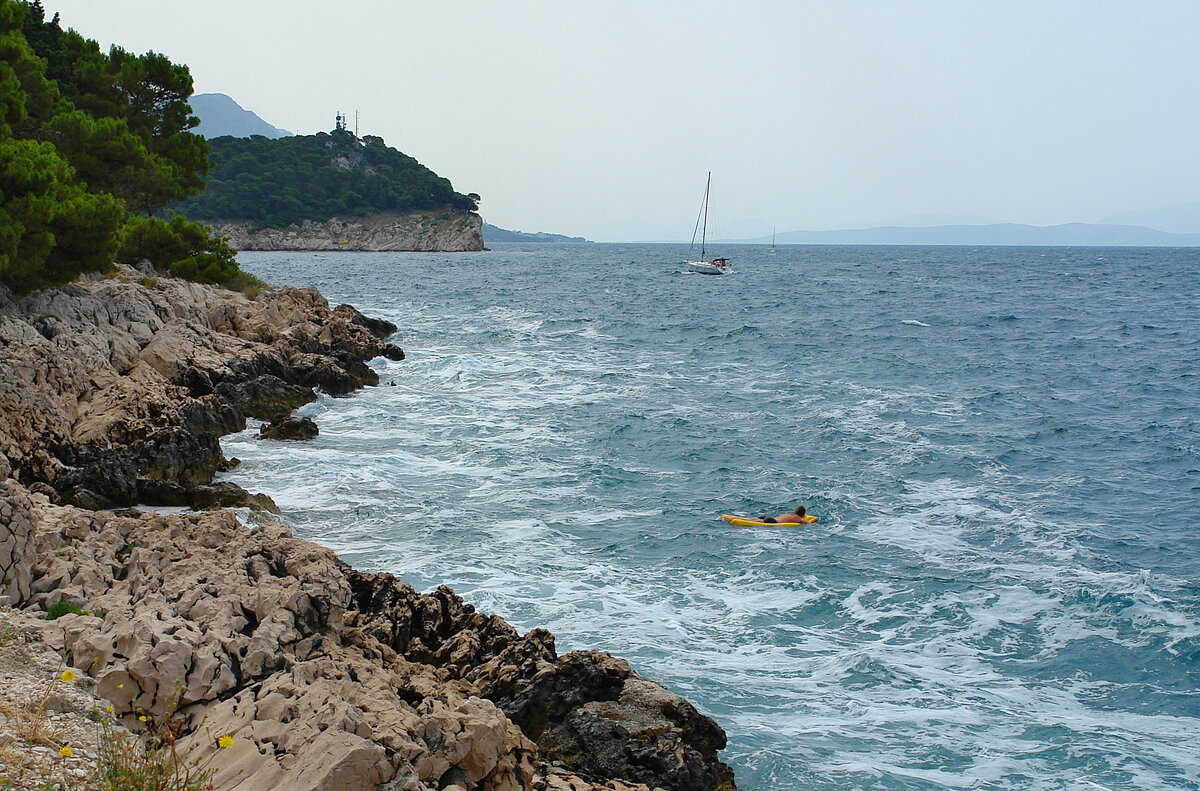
(114, 393)
(421, 231)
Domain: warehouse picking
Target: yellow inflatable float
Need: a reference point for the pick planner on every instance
(745, 521)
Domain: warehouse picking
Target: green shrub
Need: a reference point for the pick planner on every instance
(61, 608)
(185, 249)
(246, 283)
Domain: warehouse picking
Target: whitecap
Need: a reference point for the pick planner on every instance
(558, 453)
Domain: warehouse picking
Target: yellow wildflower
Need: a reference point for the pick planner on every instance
(68, 676)
(142, 718)
(110, 710)
(225, 741)
(66, 752)
(120, 686)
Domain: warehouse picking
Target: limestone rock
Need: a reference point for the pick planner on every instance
(290, 427)
(648, 733)
(274, 641)
(17, 546)
(115, 394)
(378, 327)
(421, 231)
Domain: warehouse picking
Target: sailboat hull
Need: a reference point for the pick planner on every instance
(704, 268)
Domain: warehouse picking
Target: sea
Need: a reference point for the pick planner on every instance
(1001, 444)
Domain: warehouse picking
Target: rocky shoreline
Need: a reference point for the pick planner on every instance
(113, 394)
(420, 231)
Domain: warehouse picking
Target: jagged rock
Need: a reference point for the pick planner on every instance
(290, 427)
(44, 489)
(107, 385)
(276, 641)
(208, 414)
(16, 542)
(663, 739)
(83, 497)
(378, 327)
(327, 678)
(199, 497)
(266, 397)
(648, 733)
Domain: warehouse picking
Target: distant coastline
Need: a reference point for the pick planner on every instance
(999, 234)
(493, 234)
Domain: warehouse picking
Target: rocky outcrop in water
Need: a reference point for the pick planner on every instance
(422, 231)
(290, 427)
(114, 393)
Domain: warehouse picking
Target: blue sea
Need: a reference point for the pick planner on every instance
(1002, 446)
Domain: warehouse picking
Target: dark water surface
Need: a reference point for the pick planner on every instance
(1001, 443)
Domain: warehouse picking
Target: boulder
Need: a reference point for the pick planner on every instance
(378, 327)
(648, 733)
(291, 427)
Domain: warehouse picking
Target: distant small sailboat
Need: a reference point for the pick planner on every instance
(772, 250)
(705, 266)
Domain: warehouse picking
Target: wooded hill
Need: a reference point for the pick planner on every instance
(316, 177)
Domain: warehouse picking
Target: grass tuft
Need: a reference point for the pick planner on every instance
(246, 283)
(150, 760)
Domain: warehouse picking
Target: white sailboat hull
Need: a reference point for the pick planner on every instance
(705, 268)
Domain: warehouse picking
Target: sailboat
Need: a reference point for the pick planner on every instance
(772, 250)
(703, 265)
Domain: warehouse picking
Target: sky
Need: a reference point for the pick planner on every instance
(601, 119)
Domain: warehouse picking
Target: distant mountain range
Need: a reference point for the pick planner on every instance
(1176, 218)
(493, 234)
(221, 116)
(1001, 234)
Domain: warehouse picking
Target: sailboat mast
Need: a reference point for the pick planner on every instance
(704, 231)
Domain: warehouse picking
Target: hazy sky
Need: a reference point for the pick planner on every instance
(601, 119)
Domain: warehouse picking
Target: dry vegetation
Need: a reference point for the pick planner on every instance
(48, 723)
(56, 735)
